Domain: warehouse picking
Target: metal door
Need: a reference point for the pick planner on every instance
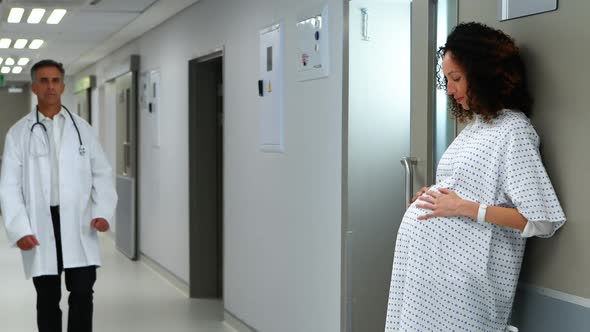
(389, 112)
(126, 163)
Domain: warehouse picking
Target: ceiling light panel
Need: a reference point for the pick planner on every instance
(21, 61)
(16, 14)
(14, 89)
(5, 42)
(1, 60)
(56, 16)
(36, 16)
(17, 70)
(9, 62)
(35, 44)
(5, 70)
(20, 43)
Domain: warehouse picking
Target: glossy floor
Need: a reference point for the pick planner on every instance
(129, 297)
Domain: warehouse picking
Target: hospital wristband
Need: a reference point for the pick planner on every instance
(481, 213)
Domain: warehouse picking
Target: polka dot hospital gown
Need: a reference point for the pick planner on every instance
(457, 274)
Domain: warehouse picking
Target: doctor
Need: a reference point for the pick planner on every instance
(56, 193)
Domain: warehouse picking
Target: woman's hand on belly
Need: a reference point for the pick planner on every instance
(421, 192)
(445, 203)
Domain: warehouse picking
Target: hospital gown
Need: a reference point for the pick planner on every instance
(457, 274)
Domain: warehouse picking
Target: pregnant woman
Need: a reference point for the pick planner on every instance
(460, 244)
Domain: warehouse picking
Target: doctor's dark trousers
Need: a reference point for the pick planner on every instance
(79, 282)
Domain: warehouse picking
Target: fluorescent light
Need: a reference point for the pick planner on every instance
(36, 15)
(21, 61)
(5, 70)
(1, 60)
(17, 69)
(20, 43)
(14, 89)
(56, 16)
(16, 14)
(5, 42)
(35, 44)
(9, 62)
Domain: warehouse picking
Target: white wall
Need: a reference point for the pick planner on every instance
(68, 98)
(14, 107)
(282, 224)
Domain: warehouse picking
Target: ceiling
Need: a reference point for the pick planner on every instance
(90, 30)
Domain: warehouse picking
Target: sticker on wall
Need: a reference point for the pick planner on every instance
(312, 40)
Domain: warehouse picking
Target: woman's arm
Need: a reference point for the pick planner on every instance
(503, 216)
(447, 204)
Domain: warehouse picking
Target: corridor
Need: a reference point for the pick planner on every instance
(128, 297)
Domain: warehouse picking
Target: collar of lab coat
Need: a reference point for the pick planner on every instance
(32, 116)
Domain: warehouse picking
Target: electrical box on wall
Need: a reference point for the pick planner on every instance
(270, 88)
(149, 100)
(313, 45)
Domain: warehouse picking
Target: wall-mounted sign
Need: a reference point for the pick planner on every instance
(313, 42)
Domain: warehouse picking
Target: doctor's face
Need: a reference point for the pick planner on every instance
(48, 86)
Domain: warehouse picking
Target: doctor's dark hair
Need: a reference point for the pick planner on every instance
(495, 72)
(47, 63)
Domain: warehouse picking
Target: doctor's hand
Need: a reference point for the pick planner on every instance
(27, 242)
(100, 224)
(444, 204)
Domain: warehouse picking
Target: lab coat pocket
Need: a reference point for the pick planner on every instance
(84, 173)
(38, 152)
(83, 165)
(38, 146)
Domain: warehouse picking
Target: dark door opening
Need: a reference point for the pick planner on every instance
(206, 176)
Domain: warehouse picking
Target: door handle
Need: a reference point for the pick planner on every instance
(126, 158)
(408, 163)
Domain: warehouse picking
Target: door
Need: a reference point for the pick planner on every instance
(389, 99)
(126, 163)
(84, 104)
(206, 175)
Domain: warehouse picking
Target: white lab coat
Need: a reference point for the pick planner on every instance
(85, 187)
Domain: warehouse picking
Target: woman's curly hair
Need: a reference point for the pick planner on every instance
(494, 71)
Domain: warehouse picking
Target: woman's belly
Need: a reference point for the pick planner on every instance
(462, 250)
(459, 245)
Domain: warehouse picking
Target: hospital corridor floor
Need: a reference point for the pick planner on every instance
(128, 297)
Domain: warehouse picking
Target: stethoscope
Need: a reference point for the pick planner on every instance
(82, 149)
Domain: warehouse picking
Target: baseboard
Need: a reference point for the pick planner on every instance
(235, 323)
(538, 309)
(166, 275)
(179, 284)
(561, 296)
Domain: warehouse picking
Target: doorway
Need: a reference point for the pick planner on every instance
(83, 94)
(84, 104)
(206, 175)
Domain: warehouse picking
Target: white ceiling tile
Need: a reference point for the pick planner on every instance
(87, 33)
(120, 5)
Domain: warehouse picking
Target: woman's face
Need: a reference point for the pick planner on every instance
(456, 80)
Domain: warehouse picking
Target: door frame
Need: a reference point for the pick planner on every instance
(207, 56)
